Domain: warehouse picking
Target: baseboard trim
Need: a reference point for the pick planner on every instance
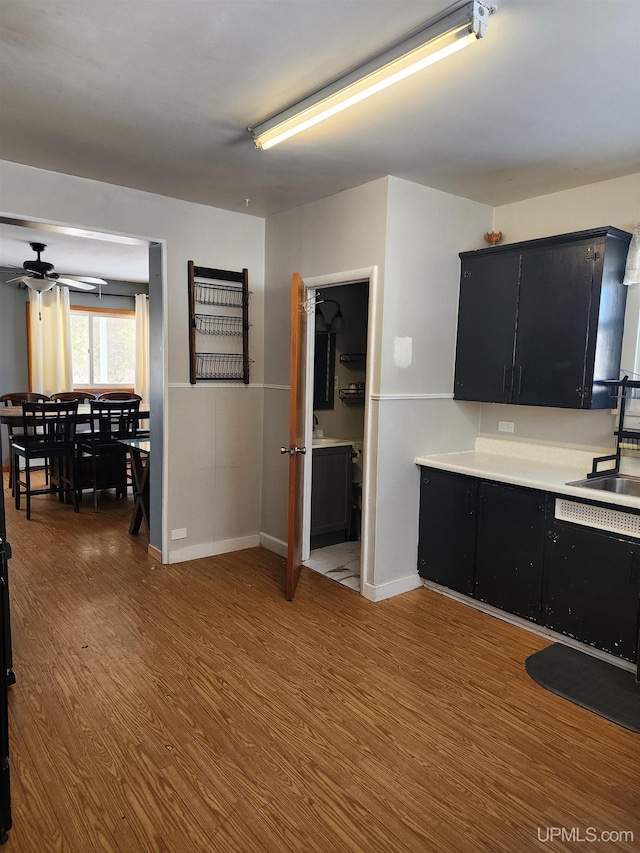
(211, 549)
(378, 592)
(156, 553)
(272, 544)
(519, 622)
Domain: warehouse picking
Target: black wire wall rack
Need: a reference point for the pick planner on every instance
(226, 291)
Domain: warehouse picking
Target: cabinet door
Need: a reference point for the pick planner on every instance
(330, 495)
(447, 529)
(486, 327)
(591, 589)
(554, 332)
(510, 548)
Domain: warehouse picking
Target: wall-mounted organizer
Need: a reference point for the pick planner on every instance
(218, 311)
(352, 395)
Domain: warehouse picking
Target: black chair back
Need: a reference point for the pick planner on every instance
(80, 396)
(113, 420)
(49, 424)
(119, 395)
(18, 397)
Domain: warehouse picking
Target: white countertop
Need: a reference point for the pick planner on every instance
(331, 442)
(534, 465)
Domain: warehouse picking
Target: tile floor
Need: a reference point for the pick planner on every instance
(339, 562)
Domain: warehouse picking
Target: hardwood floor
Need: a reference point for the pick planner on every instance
(192, 708)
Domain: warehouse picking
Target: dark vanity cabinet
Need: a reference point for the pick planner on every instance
(540, 323)
(331, 495)
(592, 588)
(446, 548)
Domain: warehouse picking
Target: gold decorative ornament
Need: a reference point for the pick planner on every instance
(493, 237)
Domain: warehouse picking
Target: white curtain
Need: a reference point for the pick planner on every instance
(50, 341)
(142, 346)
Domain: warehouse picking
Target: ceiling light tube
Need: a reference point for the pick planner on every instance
(443, 36)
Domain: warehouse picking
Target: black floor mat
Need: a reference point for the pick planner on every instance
(592, 683)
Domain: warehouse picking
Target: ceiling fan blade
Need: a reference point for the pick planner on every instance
(86, 278)
(21, 278)
(72, 282)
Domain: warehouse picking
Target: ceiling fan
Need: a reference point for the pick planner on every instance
(39, 275)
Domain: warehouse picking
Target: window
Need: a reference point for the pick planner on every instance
(103, 348)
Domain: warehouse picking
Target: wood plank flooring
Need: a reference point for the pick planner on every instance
(171, 709)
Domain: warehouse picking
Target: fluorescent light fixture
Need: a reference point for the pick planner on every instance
(443, 35)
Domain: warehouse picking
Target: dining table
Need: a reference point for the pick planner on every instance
(139, 451)
(13, 416)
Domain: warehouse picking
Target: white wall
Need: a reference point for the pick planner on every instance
(415, 412)
(343, 232)
(211, 482)
(617, 203)
(413, 235)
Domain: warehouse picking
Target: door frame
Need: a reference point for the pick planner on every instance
(156, 248)
(369, 454)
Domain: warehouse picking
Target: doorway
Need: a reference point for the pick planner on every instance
(338, 351)
(72, 238)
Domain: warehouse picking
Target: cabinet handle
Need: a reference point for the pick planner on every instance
(505, 373)
(519, 379)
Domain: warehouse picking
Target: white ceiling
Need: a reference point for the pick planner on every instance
(156, 95)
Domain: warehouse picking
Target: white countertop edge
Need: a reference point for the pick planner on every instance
(530, 473)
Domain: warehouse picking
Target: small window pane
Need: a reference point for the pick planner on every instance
(114, 350)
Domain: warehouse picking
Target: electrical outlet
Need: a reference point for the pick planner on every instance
(335, 383)
(179, 533)
(506, 426)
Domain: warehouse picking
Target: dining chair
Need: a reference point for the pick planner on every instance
(49, 434)
(80, 396)
(127, 395)
(102, 460)
(17, 398)
(119, 395)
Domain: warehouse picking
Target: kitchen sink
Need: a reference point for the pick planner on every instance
(621, 484)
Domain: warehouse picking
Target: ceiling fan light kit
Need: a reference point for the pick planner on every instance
(39, 275)
(442, 36)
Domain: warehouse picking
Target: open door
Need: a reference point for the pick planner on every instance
(296, 448)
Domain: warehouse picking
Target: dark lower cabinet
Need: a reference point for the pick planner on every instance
(510, 548)
(446, 546)
(331, 473)
(592, 588)
(500, 544)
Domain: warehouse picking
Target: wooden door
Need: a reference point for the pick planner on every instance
(296, 449)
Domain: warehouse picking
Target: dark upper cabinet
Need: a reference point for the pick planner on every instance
(540, 323)
(446, 547)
